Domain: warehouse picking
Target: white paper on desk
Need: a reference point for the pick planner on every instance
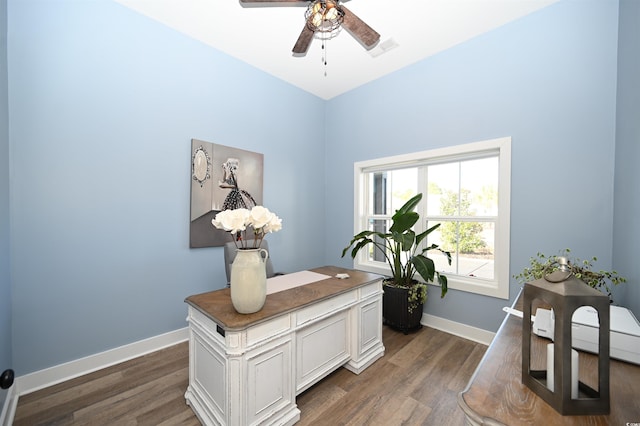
(295, 279)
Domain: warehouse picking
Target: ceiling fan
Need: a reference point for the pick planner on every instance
(323, 19)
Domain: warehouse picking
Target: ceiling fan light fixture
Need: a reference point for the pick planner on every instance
(324, 18)
(316, 20)
(332, 14)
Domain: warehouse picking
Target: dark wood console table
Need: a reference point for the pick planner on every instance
(495, 394)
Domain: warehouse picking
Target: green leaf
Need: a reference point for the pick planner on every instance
(443, 285)
(404, 218)
(358, 246)
(404, 221)
(447, 255)
(425, 267)
(424, 234)
(405, 240)
(410, 205)
(363, 236)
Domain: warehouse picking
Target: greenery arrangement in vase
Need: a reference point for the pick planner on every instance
(541, 264)
(405, 254)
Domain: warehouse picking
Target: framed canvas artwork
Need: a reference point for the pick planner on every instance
(222, 178)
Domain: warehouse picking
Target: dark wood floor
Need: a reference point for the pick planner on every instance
(415, 383)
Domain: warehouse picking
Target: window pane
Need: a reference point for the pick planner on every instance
(404, 185)
(391, 189)
(443, 181)
(378, 225)
(472, 248)
(463, 188)
(480, 179)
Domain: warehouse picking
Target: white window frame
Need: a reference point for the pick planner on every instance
(499, 286)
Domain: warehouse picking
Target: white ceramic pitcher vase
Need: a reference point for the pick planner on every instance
(249, 280)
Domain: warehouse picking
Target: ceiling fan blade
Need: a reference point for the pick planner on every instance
(303, 42)
(362, 32)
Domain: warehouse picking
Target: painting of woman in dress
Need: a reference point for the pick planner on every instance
(237, 198)
(230, 179)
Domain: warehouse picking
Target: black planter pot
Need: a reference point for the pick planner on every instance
(395, 310)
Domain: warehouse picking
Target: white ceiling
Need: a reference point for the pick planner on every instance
(264, 36)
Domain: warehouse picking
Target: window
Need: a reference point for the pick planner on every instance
(465, 189)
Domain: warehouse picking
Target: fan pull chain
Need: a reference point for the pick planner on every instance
(324, 57)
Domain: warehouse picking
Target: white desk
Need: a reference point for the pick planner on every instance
(248, 369)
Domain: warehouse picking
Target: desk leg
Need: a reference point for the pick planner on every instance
(366, 329)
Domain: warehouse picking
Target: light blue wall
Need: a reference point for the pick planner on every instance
(104, 103)
(5, 274)
(548, 81)
(626, 232)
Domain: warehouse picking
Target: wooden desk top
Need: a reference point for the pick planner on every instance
(217, 304)
(496, 396)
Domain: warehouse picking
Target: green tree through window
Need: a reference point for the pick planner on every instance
(465, 236)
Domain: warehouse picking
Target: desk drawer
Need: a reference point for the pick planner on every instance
(371, 289)
(327, 307)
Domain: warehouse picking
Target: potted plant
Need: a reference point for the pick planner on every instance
(541, 264)
(404, 295)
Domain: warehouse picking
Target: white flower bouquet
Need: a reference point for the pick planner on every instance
(239, 221)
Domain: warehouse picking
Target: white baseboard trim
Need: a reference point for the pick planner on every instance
(53, 375)
(59, 373)
(458, 329)
(9, 407)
